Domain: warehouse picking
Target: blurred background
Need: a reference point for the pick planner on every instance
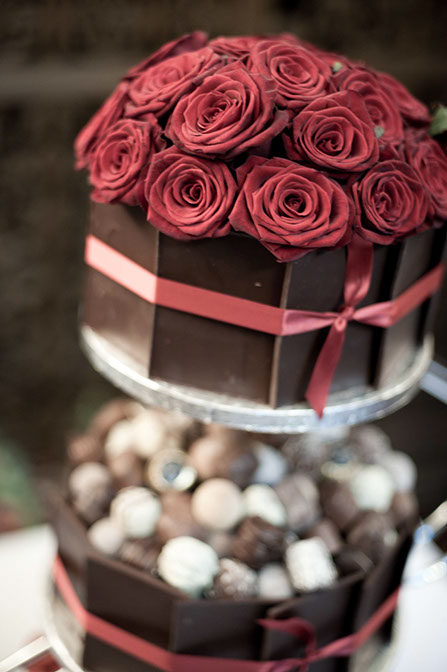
(59, 59)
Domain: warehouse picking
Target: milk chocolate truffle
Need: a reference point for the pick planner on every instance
(91, 490)
(300, 498)
(84, 448)
(338, 504)
(136, 511)
(369, 442)
(126, 469)
(350, 560)
(328, 532)
(215, 455)
(262, 501)
(234, 581)
(106, 536)
(222, 542)
(217, 504)
(169, 469)
(257, 543)
(306, 453)
(176, 519)
(112, 413)
(405, 509)
(274, 583)
(188, 564)
(401, 468)
(272, 465)
(373, 534)
(310, 565)
(141, 553)
(372, 488)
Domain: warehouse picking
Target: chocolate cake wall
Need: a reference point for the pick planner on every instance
(187, 349)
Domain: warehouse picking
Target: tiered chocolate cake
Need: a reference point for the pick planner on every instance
(267, 224)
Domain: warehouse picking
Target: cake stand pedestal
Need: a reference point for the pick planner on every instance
(351, 408)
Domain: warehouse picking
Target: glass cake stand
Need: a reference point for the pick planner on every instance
(344, 408)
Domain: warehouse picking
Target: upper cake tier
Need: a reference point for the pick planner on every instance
(211, 162)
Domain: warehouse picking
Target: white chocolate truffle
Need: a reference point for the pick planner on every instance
(188, 564)
(106, 536)
(119, 440)
(272, 465)
(218, 504)
(262, 501)
(372, 488)
(88, 476)
(310, 565)
(401, 468)
(274, 583)
(151, 433)
(136, 511)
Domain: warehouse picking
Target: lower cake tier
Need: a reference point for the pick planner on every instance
(185, 535)
(213, 314)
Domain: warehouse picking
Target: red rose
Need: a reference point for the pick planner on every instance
(290, 208)
(159, 87)
(189, 42)
(122, 154)
(379, 103)
(189, 197)
(391, 202)
(234, 48)
(299, 75)
(230, 112)
(430, 163)
(108, 114)
(412, 109)
(335, 132)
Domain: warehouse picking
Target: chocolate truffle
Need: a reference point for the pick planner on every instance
(188, 564)
(214, 456)
(222, 543)
(401, 468)
(262, 501)
(136, 511)
(338, 503)
(272, 465)
(112, 413)
(169, 469)
(374, 534)
(126, 469)
(257, 543)
(106, 536)
(369, 442)
(372, 488)
(274, 583)
(350, 560)
(310, 565)
(234, 581)
(217, 504)
(84, 448)
(91, 490)
(306, 453)
(141, 553)
(176, 519)
(326, 530)
(405, 509)
(300, 498)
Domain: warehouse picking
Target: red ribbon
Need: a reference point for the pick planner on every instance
(271, 319)
(169, 661)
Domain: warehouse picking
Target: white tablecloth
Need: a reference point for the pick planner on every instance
(25, 558)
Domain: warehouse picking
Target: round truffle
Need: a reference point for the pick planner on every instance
(112, 413)
(217, 504)
(300, 498)
(215, 455)
(373, 534)
(310, 565)
(262, 501)
(372, 488)
(84, 448)
(257, 543)
(136, 511)
(274, 583)
(91, 490)
(106, 536)
(234, 581)
(126, 469)
(176, 519)
(369, 442)
(272, 465)
(169, 469)
(337, 503)
(401, 468)
(188, 564)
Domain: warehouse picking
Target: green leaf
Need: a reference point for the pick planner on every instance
(439, 122)
(379, 131)
(336, 66)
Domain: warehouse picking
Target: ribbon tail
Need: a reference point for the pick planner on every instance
(320, 382)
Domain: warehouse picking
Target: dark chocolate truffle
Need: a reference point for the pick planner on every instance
(257, 542)
(338, 503)
(373, 533)
(300, 498)
(126, 469)
(176, 518)
(141, 553)
(224, 455)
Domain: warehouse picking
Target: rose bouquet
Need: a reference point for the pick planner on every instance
(271, 137)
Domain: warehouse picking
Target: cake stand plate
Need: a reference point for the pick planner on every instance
(342, 408)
